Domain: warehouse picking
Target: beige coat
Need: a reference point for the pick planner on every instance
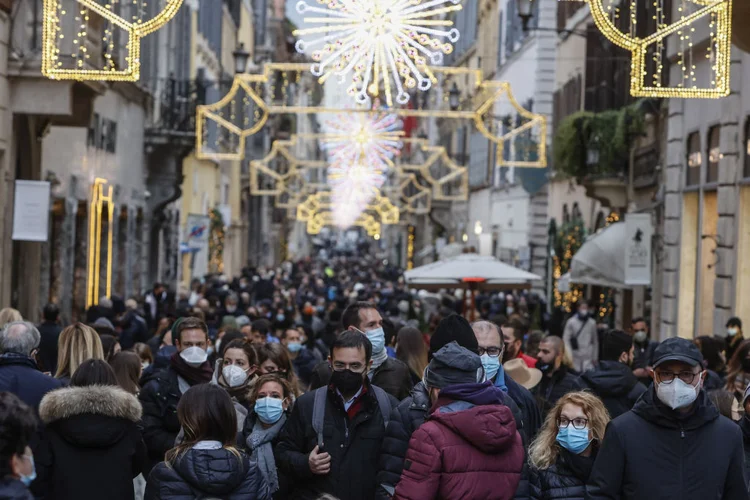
(588, 343)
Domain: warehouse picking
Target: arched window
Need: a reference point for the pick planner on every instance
(566, 214)
(694, 160)
(714, 154)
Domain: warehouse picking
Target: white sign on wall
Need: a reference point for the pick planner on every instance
(31, 211)
(639, 230)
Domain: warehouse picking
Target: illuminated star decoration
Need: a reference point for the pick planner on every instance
(378, 42)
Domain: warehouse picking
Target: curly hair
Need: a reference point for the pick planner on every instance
(544, 450)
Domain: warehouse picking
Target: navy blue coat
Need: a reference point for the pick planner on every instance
(20, 375)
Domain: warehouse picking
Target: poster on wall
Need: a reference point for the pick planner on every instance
(31, 211)
(197, 232)
(639, 231)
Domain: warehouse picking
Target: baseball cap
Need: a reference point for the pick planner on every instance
(678, 349)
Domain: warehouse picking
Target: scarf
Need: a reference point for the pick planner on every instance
(377, 360)
(500, 380)
(580, 466)
(193, 376)
(259, 443)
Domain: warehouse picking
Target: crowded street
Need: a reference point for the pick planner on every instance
(374, 250)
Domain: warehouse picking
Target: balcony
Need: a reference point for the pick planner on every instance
(173, 116)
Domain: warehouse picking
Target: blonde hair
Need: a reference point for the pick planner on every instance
(544, 449)
(9, 315)
(77, 343)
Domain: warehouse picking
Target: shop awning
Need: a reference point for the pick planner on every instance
(601, 259)
(469, 271)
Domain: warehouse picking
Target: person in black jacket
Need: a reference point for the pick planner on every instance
(745, 426)
(303, 360)
(18, 370)
(91, 445)
(613, 380)
(563, 454)
(49, 330)
(159, 396)
(206, 464)
(18, 425)
(673, 445)
(342, 460)
(643, 352)
(388, 373)
(557, 379)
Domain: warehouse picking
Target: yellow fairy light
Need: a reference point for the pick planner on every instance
(98, 198)
(720, 12)
(378, 42)
(52, 65)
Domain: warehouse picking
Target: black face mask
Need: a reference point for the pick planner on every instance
(346, 381)
(543, 367)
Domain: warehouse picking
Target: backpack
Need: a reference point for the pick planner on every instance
(319, 409)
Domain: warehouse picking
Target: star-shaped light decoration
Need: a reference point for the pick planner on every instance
(380, 46)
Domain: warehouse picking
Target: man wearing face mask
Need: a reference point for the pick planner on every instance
(673, 444)
(581, 338)
(188, 366)
(388, 373)
(303, 360)
(557, 379)
(643, 352)
(513, 332)
(613, 379)
(734, 336)
(332, 438)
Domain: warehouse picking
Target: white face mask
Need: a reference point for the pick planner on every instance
(234, 375)
(194, 356)
(678, 394)
(145, 364)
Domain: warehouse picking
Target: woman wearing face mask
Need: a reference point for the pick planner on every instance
(739, 370)
(272, 400)
(274, 358)
(18, 424)
(563, 454)
(236, 371)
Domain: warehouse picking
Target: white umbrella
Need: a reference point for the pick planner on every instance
(601, 259)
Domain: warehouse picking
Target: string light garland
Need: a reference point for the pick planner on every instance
(101, 193)
(71, 58)
(718, 16)
(382, 47)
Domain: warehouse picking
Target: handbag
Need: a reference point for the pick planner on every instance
(574, 339)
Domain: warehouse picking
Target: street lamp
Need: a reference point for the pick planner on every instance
(478, 228)
(524, 12)
(454, 97)
(241, 56)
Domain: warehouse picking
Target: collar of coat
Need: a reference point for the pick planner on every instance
(96, 399)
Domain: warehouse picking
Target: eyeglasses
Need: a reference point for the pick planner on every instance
(355, 367)
(668, 377)
(578, 423)
(493, 352)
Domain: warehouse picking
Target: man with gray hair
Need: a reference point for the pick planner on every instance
(19, 374)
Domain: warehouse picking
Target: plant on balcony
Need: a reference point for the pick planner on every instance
(610, 132)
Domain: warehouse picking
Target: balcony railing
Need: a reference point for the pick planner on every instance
(175, 104)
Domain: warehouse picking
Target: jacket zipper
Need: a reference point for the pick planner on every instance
(682, 456)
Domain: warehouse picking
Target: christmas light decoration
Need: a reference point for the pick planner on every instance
(380, 46)
(99, 196)
(713, 16)
(83, 39)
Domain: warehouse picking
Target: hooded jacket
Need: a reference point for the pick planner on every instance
(653, 451)
(615, 385)
(468, 448)
(91, 447)
(207, 474)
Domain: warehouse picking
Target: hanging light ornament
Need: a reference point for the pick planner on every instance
(378, 44)
(371, 139)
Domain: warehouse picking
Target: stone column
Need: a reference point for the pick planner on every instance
(67, 256)
(730, 167)
(672, 221)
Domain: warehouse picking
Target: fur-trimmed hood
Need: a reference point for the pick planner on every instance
(107, 401)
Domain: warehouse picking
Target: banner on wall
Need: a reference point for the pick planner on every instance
(31, 211)
(197, 231)
(639, 231)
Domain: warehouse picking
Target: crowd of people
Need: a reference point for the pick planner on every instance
(334, 380)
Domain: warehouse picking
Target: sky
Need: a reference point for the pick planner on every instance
(291, 12)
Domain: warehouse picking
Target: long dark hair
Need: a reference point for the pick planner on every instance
(18, 423)
(278, 355)
(127, 368)
(93, 372)
(206, 413)
(412, 350)
(735, 365)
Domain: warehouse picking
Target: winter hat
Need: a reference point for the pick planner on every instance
(242, 321)
(453, 328)
(453, 365)
(229, 322)
(104, 322)
(614, 343)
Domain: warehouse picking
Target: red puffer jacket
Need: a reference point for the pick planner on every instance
(468, 448)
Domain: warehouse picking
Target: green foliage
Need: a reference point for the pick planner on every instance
(216, 242)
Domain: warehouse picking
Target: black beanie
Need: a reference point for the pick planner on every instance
(454, 328)
(614, 343)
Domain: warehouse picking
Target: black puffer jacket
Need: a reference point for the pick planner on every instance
(207, 474)
(564, 480)
(159, 398)
(551, 389)
(91, 445)
(745, 426)
(615, 385)
(654, 452)
(406, 418)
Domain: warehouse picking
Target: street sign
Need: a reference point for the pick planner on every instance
(639, 231)
(31, 211)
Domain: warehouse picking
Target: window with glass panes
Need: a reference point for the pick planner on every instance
(714, 154)
(694, 160)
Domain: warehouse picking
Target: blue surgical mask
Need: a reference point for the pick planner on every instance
(574, 440)
(269, 410)
(294, 346)
(27, 480)
(377, 339)
(491, 366)
(280, 318)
